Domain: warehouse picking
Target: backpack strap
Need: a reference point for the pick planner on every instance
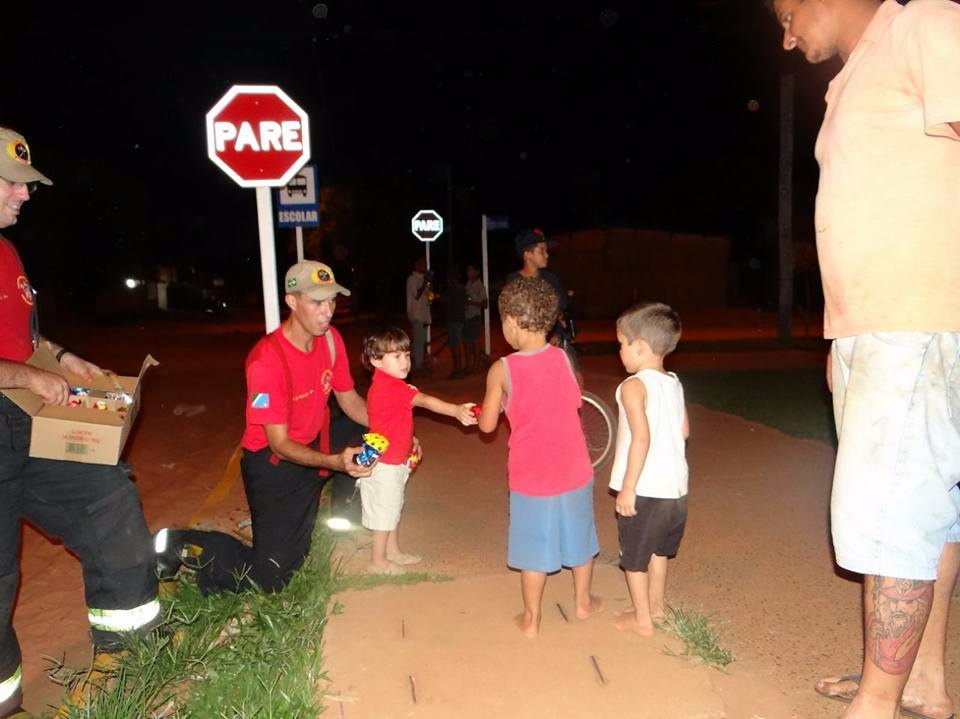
(274, 342)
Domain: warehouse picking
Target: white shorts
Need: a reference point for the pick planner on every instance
(381, 495)
(896, 401)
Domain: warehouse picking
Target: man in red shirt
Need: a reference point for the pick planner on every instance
(290, 375)
(95, 509)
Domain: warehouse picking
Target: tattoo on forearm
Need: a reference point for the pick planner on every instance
(895, 620)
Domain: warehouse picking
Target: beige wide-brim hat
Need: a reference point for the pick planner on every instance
(313, 279)
(15, 160)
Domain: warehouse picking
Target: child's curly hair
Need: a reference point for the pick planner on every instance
(532, 302)
(655, 323)
(382, 341)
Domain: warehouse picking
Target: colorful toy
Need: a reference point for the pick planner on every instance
(373, 446)
(414, 459)
(476, 410)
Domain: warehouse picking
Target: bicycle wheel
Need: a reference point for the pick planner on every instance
(599, 428)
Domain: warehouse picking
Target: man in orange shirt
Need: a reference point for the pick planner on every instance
(888, 240)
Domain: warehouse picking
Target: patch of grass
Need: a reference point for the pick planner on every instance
(235, 656)
(230, 656)
(795, 401)
(702, 642)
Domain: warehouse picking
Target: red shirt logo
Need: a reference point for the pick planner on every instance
(26, 291)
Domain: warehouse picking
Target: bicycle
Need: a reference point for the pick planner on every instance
(596, 417)
(599, 428)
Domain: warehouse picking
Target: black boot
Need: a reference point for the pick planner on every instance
(173, 548)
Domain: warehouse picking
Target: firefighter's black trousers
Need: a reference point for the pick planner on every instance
(93, 508)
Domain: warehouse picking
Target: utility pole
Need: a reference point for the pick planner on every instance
(785, 207)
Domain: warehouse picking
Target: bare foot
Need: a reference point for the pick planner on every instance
(627, 621)
(594, 607)
(404, 559)
(528, 625)
(658, 615)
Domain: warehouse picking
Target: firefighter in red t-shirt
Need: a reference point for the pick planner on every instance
(291, 373)
(94, 508)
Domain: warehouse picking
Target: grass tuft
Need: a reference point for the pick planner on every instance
(236, 656)
(230, 656)
(700, 640)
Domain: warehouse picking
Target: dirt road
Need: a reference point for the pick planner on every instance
(756, 558)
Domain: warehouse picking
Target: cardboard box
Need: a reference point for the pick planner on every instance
(80, 433)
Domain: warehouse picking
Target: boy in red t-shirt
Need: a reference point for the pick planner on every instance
(390, 404)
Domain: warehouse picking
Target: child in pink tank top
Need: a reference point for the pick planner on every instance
(549, 470)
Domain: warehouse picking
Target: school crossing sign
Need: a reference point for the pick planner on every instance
(258, 135)
(426, 225)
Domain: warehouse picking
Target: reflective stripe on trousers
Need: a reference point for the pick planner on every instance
(8, 687)
(123, 620)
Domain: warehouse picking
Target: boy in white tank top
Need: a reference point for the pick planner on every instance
(649, 468)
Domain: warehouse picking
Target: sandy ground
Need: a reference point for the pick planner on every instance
(756, 559)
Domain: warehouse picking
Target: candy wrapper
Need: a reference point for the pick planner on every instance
(373, 446)
(414, 459)
(115, 400)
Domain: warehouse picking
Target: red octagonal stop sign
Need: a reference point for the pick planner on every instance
(258, 135)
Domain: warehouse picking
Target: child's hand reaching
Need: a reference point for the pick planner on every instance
(626, 503)
(465, 414)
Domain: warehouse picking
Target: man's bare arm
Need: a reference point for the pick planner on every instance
(50, 387)
(354, 406)
(286, 448)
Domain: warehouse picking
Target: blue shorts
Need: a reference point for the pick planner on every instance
(547, 533)
(896, 400)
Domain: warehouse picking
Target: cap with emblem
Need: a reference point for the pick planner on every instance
(15, 161)
(313, 279)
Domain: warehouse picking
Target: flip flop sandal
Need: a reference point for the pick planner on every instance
(841, 697)
(847, 698)
(917, 715)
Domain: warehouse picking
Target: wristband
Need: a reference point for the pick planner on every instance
(60, 353)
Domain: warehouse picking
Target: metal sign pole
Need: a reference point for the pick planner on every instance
(486, 283)
(427, 244)
(268, 259)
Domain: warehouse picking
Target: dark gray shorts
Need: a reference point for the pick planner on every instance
(656, 528)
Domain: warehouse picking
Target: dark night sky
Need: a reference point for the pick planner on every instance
(597, 114)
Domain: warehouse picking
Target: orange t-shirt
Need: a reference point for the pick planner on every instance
(888, 205)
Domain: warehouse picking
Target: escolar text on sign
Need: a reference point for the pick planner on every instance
(269, 136)
(298, 216)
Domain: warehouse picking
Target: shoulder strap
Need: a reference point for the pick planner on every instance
(332, 347)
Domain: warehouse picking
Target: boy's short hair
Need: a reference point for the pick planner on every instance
(655, 323)
(382, 341)
(532, 302)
